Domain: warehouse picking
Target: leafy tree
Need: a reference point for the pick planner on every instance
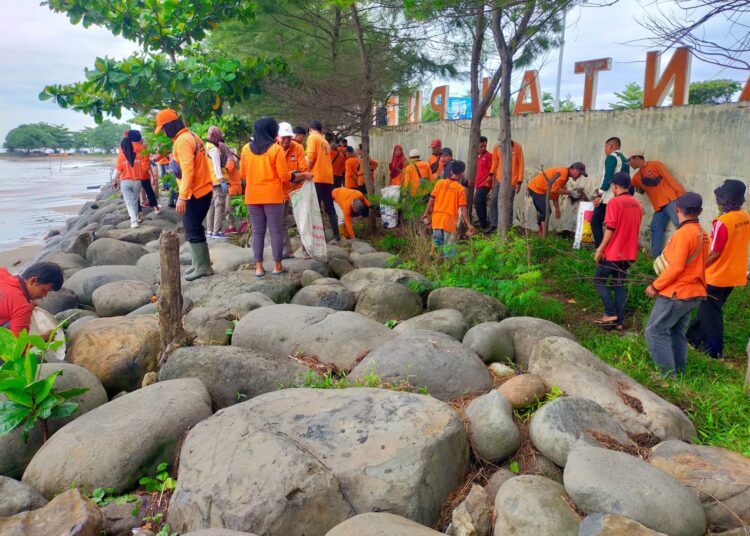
(631, 97)
(38, 137)
(106, 136)
(566, 105)
(713, 91)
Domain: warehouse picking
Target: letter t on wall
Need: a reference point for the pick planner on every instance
(591, 69)
(676, 74)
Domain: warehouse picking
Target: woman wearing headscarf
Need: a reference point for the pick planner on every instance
(264, 168)
(398, 160)
(142, 168)
(217, 153)
(130, 168)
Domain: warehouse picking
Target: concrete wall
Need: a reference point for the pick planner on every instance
(701, 145)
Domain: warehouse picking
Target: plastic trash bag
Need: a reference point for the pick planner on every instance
(306, 211)
(389, 214)
(583, 225)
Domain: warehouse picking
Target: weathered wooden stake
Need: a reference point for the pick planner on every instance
(170, 295)
(747, 371)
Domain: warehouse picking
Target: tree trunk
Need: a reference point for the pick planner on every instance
(504, 199)
(747, 371)
(170, 295)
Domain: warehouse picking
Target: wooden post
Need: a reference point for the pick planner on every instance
(170, 295)
(747, 371)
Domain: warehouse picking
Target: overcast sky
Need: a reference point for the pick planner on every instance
(41, 47)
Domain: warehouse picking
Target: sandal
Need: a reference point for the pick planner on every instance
(282, 271)
(260, 274)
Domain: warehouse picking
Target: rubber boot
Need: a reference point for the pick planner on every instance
(201, 261)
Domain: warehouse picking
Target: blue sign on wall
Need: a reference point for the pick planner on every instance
(459, 108)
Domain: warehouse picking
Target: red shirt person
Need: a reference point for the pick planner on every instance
(617, 251)
(482, 181)
(18, 292)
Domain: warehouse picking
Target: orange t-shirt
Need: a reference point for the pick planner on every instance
(338, 159)
(233, 174)
(361, 171)
(517, 165)
(350, 172)
(295, 161)
(664, 188)
(264, 174)
(449, 197)
(189, 153)
(539, 183)
(730, 269)
(414, 172)
(436, 165)
(680, 278)
(319, 155)
(140, 168)
(344, 197)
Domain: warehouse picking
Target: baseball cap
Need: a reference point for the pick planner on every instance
(638, 152)
(165, 116)
(621, 179)
(285, 129)
(447, 150)
(732, 190)
(414, 153)
(434, 144)
(580, 167)
(690, 201)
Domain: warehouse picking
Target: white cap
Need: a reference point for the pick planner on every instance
(638, 152)
(285, 129)
(414, 153)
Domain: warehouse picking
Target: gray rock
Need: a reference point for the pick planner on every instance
(110, 251)
(76, 325)
(232, 374)
(87, 280)
(140, 235)
(118, 519)
(17, 497)
(60, 300)
(120, 441)
(427, 359)
(303, 460)
(218, 290)
(338, 337)
(577, 372)
(336, 297)
(359, 279)
(79, 244)
(149, 308)
(241, 304)
(475, 306)
(388, 301)
(151, 262)
(226, 257)
(613, 525)
(68, 514)
(378, 259)
(523, 390)
(380, 524)
(336, 251)
(568, 422)
(218, 532)
(118, 298)
(535, 505)
(340, 266)
(359, 246)
(208, 326)
(496, 480)
(493, 434)
(329, 281)
(15, 453)
(501, 370)
(71, 315)
(309, 276)
(525, 331)
(472, 516)
(152, 246)
(612, 482)
(492, 343)
(69, 262)
(448, 321)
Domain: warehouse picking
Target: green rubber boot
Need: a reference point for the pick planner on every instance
(201, 266)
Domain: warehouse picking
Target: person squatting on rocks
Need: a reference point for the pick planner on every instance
(195, 188)
(679, 288)
(537, 189)
(614, 162)
(218, 155)
(319, 163)
(297, 165)
(516, 179)
(18, 292)
(617, 250)
(726, 267)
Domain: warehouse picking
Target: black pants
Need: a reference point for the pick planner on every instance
(480, 204)
(617, 271)
(338, 181)
(150, 195)
(192, 220)
(707, 330)
(323, 191)
(540, 204)
(597, 223)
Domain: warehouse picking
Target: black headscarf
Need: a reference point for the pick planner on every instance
(173, 127)
(127, 145)
(265, 131)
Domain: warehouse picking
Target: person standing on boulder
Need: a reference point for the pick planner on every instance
(679, 288)
(319, 163)
(297, 164)
(195, 188)
(18, 292)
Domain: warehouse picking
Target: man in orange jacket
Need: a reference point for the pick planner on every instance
(516, 179)
(351, 202)
(679, 289)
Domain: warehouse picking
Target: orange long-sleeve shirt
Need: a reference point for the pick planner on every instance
(414, 172)
(295, 161)
(345, 197)
(361, 170)
(140, 168)
(350, 172)
(539, 183)
(338, 159)
(660, 186)
(235, 181)
(189, 153)
(319, 155)
(436, 165)
(517, 165)
(683, 279)
(264, 174)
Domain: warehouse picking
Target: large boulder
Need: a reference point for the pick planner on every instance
(613, 525)
(68, 514)
(490, 342)
(340, 266)
(119, 298)
(86, 281)
(233, 374)
(448, 321)
(296, 266)
(217, 532)
(111, 251)
(218, 290)
(612, 482)
(380, 524)
(118, 350)
(337, 337)
(719, 478)
(119, 442)
(357, 280)
(17, 497)
(15, 453)
(388, 301)
(359, 246)
(208, 326)
(379, 259)
(226, 257)
(336, 297)
(301, 461)
(571, 367)
(494, 436)
(241, 304)
(69, 262)
(525, 331)
(140, 235)
(530, 504)
(569, 422)
(475, 306)
(57, 301)
(427, 359)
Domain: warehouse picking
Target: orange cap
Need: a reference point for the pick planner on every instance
(164, 117)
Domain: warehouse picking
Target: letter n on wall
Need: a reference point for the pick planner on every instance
(675, 76)
(529, 89)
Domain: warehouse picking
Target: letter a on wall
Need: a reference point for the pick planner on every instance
(675, 76)
(745, 95)
(591, 69)
(529, 90)
(439, 100)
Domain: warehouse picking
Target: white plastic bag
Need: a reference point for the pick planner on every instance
(389, 214)
(309, 222)
(583, 224)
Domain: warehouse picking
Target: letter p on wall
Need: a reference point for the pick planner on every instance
(676, 75)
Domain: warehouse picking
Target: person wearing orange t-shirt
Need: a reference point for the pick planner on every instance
(319, 162)
(679, 289)
(516, 179)
(538, 189)
(350, 202)
(447, 204)
(726, 267)
(351, 168)
(195, 188)
(436, 165)
(416, 172)
(297, 164)
(662, 189)
(361, 170)
(338, 159)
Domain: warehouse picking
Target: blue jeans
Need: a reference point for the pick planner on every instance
(444, 242)
(666, 333)
(617, 272)
(659, 226)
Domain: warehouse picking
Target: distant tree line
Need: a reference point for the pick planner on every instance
(36, 137)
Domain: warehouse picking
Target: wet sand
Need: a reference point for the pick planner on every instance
(15, 259)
